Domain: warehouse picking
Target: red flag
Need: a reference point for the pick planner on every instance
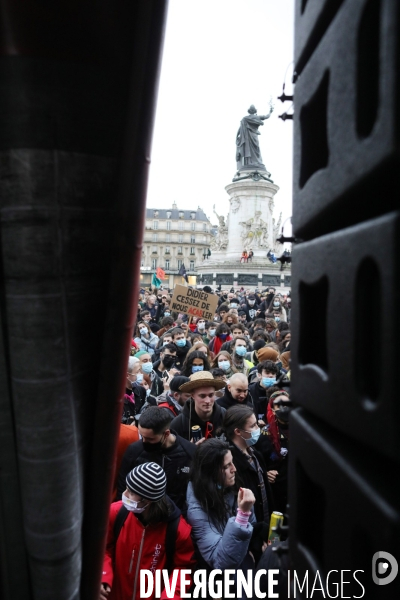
(160, 273)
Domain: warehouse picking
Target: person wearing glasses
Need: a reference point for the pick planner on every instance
(201, 410)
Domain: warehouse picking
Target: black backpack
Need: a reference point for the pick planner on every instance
(170, 537)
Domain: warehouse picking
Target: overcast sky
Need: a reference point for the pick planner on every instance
(220, 56)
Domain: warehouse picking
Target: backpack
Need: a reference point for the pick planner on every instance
(170, 536)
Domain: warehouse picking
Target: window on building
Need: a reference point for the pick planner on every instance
(180, 250)
(179, 264)
(154, 263)
(169, 214)
(192, 215)
(191, 268)
(167, 249)
(192, 250)
(142, 262)
(154, 237)
(167, 265)
(155, 224)
(193, 226)
(154, 250)
(181, 225)
(192, 239)
(204, 238)
(168, 237)
(168, 225)
(181, 214)
(180, 239)
(204, 226)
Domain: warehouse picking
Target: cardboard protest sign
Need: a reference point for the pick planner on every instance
(194, 303)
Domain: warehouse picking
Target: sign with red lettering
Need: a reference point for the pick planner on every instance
(194, 303)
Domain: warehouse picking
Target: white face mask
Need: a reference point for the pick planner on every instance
(131, 505)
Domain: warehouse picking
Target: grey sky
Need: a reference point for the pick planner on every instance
(220, 56)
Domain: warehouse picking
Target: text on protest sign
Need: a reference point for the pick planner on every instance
(193, 303)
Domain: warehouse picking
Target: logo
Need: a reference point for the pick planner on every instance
(384, 568)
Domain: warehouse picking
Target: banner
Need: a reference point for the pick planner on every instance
(194, 303)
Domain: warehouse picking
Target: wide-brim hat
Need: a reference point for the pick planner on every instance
(202, 379)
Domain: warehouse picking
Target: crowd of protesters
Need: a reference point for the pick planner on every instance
(204, 439)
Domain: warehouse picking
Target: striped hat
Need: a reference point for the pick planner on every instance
(148, 481)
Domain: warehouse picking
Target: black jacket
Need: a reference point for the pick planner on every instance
(175, 461)
(181, 355)
(184, 422)
(259, 395)
(226, 401)
(247, 477)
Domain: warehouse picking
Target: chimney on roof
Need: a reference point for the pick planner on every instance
(174, 206)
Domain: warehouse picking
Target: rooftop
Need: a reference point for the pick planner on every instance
(177, 214)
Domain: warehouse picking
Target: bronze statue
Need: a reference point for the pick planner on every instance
(248, 155)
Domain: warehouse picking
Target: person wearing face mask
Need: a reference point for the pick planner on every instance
(242, 432)
(145, 338)
(153, 380)
(144, 520)
(162, 445)
(267, 373)
(211, 329)
(166, 363)
(223, 361)
(222, 335)
(238, 353)
(135, 394)
(182, 346)
(274, 446)
(195, 361)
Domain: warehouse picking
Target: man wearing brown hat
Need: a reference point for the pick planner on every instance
(201, 410)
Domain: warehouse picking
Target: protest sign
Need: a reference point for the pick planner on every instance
(194, 303)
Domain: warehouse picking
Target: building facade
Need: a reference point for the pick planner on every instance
(174, 237)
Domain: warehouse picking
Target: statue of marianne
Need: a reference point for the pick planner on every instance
(248, 153)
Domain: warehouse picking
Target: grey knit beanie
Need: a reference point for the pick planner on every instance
(148, 481)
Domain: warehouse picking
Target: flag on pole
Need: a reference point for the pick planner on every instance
(155, 282)
(182, 271)
(160, 273)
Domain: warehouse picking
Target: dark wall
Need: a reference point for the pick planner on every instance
(345, 447)
(78, 82)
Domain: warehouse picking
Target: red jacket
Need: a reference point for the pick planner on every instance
(140, 547)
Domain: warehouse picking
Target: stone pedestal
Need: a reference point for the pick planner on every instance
(250, 223)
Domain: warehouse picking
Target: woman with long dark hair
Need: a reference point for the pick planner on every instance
(220, 515)
(195, 361)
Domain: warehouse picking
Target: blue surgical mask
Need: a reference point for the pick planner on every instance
(277, 319)
(167, 314)
(211, 332)
(268, 381)
(147, 367)
(148, 393)
(223, 336)
(180, 343)
(224, 365)
(254, 436)
(276, 303)
(196, 368)
(143, 330)
(139, 378)
(241, 350)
